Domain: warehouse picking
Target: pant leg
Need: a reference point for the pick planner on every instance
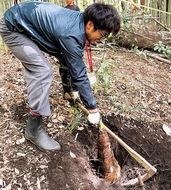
(65, 77)
(38, 71)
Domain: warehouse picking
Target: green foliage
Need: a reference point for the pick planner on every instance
(103, 70)
(104, 74)
(76, 121)
(164, 49)
(138, 52)
(126, 20)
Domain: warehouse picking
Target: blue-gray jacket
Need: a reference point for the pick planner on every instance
(58, 30)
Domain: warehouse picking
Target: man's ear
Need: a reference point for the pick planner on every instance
(90, 25)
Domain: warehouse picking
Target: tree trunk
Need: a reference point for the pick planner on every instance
(143, 38)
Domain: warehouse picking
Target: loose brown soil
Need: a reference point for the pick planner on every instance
(135, 106)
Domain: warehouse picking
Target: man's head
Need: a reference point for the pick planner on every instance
(69, 2)
(100, 20)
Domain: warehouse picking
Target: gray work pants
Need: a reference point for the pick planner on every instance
(38, 71)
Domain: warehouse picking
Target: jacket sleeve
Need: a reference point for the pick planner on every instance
(73, 55)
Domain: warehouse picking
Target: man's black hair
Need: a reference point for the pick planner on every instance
(104, 17)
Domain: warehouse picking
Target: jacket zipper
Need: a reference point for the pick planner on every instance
(42, 45)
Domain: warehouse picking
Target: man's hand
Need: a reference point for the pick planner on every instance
(75, 96)
(94, 116)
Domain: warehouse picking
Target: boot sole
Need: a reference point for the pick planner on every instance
(44, 150)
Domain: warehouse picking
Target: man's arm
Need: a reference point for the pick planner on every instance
(73, 53)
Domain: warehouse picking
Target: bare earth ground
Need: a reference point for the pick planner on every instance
(135, 106)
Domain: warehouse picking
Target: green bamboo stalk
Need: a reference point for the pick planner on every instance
(169, 16)
(164, 15)
(148, 5)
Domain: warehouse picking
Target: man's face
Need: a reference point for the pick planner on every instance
(93, 35)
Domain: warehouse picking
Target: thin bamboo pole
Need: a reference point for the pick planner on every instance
(148, 5)
(164, 15)
(168, 18)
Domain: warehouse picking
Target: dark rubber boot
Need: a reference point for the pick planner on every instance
(36, 134)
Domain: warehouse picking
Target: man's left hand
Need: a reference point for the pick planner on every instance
(75, 97)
